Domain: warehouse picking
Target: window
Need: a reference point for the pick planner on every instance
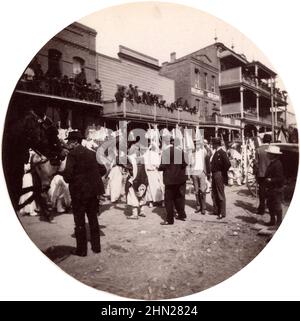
(213, 87)
(206, 109)
(54, 57)
(205, 81)
(197, 78)
(198, 104)
(78, 64)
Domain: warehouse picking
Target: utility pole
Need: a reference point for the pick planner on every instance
(272, 110)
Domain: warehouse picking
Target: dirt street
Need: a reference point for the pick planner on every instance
(142, 259)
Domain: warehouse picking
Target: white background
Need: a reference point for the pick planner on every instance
(25, 26)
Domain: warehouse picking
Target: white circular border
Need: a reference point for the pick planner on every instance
(25, 273)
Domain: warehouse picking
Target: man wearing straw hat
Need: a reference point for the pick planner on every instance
(274, 184)
(200, 171)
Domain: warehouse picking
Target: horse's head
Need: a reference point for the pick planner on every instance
(44, 169)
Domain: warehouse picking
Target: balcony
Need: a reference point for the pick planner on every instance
(221, 120)
(250, 113)
(149, 113)
(231, 76)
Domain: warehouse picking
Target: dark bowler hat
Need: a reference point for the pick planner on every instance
(74, 135)
(216, 141)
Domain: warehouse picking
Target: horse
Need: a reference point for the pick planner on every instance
(42, 171)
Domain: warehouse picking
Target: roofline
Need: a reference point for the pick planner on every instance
(109, 57)
(267, 69)
(83, 27)
(137, 52)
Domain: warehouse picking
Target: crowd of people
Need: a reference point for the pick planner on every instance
(134, 95)
(34, 80)
(155, 173)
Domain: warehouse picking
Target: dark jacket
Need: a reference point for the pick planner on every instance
(84, 173)
(275, 173)
(220, 163)
(173, 173)
(262, 160)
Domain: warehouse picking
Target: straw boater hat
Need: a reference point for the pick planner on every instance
(273, 150)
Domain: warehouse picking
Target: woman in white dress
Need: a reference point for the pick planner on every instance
(152, 160)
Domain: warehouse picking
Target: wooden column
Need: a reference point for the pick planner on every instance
(257, 106)
(242, 101)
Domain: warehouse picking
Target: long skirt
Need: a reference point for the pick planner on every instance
(115, 179)
(155, 191)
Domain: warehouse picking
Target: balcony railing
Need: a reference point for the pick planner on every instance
(149, 113)
(250, 114)
(220, 120)
(63, 88)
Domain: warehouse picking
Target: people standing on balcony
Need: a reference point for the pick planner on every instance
(97, 89)
(200, 173)
(28, 79)
(186, 106)
(136, 95)
(274, 185)
(80, 84)
(130, 93)
(53, 76)
(144, 98)
(262, 161)
(65, 86)
(219, 167)
(120, 95)
(149, 100)
(39, 79)
(173, 167)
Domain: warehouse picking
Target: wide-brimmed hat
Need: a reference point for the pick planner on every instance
(74, 135)
(273, 150)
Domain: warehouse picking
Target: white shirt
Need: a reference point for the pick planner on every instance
(198, 165)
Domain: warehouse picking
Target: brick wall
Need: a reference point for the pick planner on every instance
(73, 41)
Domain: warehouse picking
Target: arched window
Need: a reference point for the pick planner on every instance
(78, 64)
(54, 58)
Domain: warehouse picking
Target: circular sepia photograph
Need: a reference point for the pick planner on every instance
(150, 150)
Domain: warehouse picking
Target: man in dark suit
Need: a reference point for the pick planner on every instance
(84, 175)
(274, 182)
(173, 166)
(262, 162)
(219, 167)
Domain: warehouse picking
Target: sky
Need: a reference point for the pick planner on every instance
(157, 29)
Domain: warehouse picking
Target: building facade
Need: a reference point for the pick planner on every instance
(236, 98)
(137, 70)
(214, 87)
(62, 76)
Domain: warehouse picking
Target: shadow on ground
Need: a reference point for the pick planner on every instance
(246, 206)
(58, 253)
